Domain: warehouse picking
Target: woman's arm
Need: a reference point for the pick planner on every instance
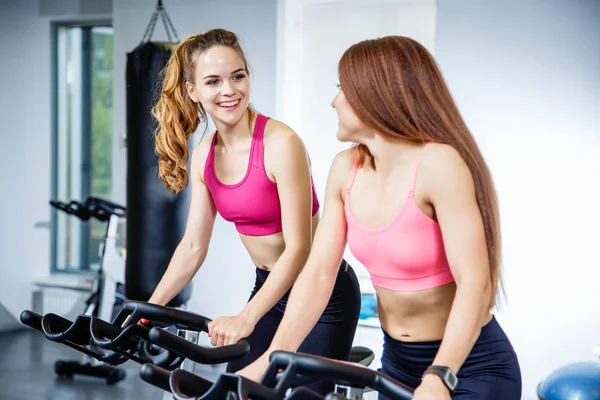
(288, 161)
(192, 249)
(314, 285)
(450, 189)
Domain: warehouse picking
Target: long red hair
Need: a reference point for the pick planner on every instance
(395, 87)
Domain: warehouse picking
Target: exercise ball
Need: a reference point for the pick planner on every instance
(579, 381)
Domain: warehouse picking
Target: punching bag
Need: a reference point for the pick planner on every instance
(155, 217)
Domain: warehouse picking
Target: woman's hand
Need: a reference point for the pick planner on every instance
(256, 370)
(432, 388)
(224, 331)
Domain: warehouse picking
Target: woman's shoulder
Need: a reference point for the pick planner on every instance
(281, 139)
(341, 168)
(442, 168)
(278, 130)
(200, 152)
(345, 160)
(438, 157)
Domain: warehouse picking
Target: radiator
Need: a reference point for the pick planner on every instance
(64, 302)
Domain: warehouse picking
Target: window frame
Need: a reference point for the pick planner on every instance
(55, 26)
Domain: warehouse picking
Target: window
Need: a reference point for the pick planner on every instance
(82, 145)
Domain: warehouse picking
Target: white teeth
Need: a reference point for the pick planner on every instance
(229, 103)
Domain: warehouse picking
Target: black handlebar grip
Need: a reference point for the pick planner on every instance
(184, 384)
(59, 329)
(109, 336)
(32, 320)
(156, 376)
(183, 319)
(241, 388)
(194, 352)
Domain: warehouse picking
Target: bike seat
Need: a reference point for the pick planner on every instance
(362, 355)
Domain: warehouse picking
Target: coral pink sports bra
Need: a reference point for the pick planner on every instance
(406, 254)
(252, 204)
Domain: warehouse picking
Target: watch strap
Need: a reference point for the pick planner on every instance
(446, 374)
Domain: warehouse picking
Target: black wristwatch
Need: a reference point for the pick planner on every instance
(446, 375)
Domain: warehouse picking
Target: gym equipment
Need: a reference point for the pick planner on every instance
(107, 290)
(298, 369)
(578, 381)
(182, 383)
(352, 378)
(76, 336)
(156, 217)
(177, 381)
(184, 343)
(125, 327)
(125, 339)
(108, 283)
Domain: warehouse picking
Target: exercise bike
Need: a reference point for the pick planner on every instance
(107, 289)
(124, 339)
(351, 378)
(184, 344)
(284, 379)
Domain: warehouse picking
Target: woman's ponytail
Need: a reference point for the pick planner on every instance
(178, 117)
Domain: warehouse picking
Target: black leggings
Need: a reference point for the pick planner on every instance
(491, 371)
(331, 337)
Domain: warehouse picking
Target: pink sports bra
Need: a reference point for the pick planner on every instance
(253, 203)
(406, 254)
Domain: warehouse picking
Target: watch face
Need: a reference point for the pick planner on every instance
(446, 375)
(451, 379)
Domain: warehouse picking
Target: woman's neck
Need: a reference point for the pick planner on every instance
(389, 154)
(232, 136)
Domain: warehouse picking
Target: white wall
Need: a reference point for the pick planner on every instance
(225, 280)
(25, 135)
(526, 76)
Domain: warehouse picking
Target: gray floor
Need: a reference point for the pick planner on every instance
(27, 372)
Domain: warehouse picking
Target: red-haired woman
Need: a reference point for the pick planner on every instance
(415, 202)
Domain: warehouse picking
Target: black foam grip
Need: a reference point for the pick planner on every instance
(156, 376)
(228, 384)
(32, 320)
(161, 314)
(155, 217)
(185, 384)
(199, 354)
(59, 329)
(113, 337)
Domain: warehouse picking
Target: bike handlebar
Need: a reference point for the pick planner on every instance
(93, 207)
(323, 368)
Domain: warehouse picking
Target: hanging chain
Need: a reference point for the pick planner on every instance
(169, 28)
